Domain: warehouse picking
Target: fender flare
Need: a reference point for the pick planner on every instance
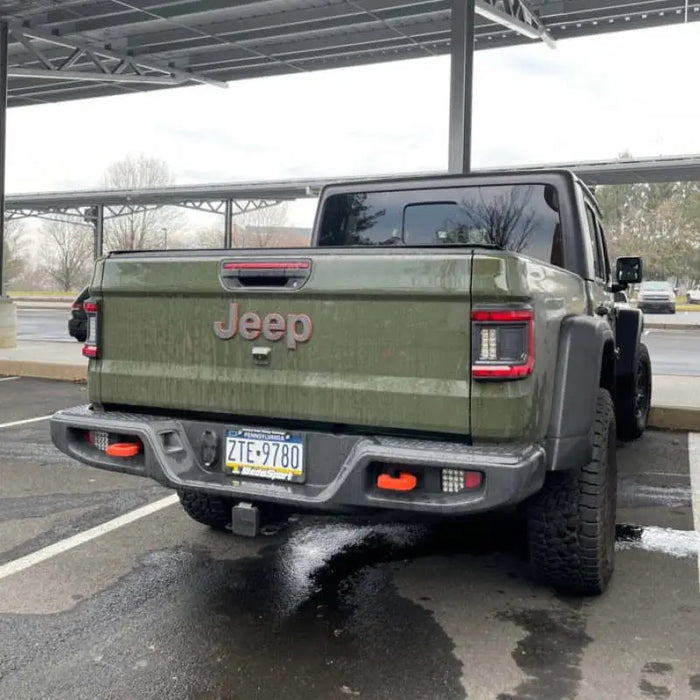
(585, 344)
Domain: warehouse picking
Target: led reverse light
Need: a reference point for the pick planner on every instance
(456, 480)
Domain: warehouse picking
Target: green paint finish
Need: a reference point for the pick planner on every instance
(390, 346)
(519, 410)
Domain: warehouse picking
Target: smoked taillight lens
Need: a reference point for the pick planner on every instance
(92, 309)
(503, 343)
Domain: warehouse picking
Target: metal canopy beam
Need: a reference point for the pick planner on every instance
(515, 15)
(271, 193)
(84, 76)
(111, 66)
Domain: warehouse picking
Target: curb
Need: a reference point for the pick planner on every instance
(675, 418)
(672, 326)
(44, 305)
(53, 300)
(44, 370)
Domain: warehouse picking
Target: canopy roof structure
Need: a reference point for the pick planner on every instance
(70, 49)
(253, 195)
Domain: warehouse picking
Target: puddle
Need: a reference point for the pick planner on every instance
(675, 543)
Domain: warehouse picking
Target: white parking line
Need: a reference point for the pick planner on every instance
(25, 421)
(13, 567)
(694, 461)
(7, 379)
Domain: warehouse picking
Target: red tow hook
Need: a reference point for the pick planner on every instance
(123, 449)
(403, 482)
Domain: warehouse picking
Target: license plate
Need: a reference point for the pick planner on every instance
(265, 454)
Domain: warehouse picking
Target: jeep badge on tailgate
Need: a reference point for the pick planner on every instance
(296, 328)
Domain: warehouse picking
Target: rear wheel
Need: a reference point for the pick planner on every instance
(208, 510)
(571, 521)
(633, 400)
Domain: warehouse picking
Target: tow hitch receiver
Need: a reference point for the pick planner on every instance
(245, 520)
(403, 482)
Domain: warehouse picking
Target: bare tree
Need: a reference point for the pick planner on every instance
(505, 220)
(150, 228)
(207, 237)
(67, 254)
(260, 228)
(14, 255)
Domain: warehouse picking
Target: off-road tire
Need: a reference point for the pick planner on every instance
(571, 521)
(208, 510)
(633, 399)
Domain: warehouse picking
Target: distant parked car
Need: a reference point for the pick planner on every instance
(77, 323)
(693, 295)
(656, 296)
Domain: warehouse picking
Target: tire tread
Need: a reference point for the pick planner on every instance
(569, 522)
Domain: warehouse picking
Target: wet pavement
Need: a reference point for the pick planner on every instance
(674, 351)
(43, 324)
(328, 608)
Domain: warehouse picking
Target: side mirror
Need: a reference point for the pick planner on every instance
(628, 271)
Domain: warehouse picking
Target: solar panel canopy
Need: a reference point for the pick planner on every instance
(72, 49)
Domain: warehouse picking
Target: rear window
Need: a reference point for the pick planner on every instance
(519, 218)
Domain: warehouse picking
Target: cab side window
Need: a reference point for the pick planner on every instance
(604, 249)
(596, 245)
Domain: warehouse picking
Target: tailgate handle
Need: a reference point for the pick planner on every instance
(286, 274)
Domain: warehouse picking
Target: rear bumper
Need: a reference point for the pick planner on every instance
(341, 470)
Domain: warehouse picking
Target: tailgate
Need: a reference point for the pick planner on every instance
(360, 339)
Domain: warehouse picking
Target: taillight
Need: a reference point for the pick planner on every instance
(503, 343)
(90, 349)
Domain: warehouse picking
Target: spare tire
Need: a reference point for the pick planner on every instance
(208, 510)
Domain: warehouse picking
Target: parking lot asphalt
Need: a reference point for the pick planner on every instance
(326, 608)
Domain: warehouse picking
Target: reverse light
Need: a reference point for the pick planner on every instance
(456, 480)
(98, 439)
(503, 342)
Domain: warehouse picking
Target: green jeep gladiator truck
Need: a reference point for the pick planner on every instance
(446, 346)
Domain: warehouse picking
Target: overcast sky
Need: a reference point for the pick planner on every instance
(591, 98)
